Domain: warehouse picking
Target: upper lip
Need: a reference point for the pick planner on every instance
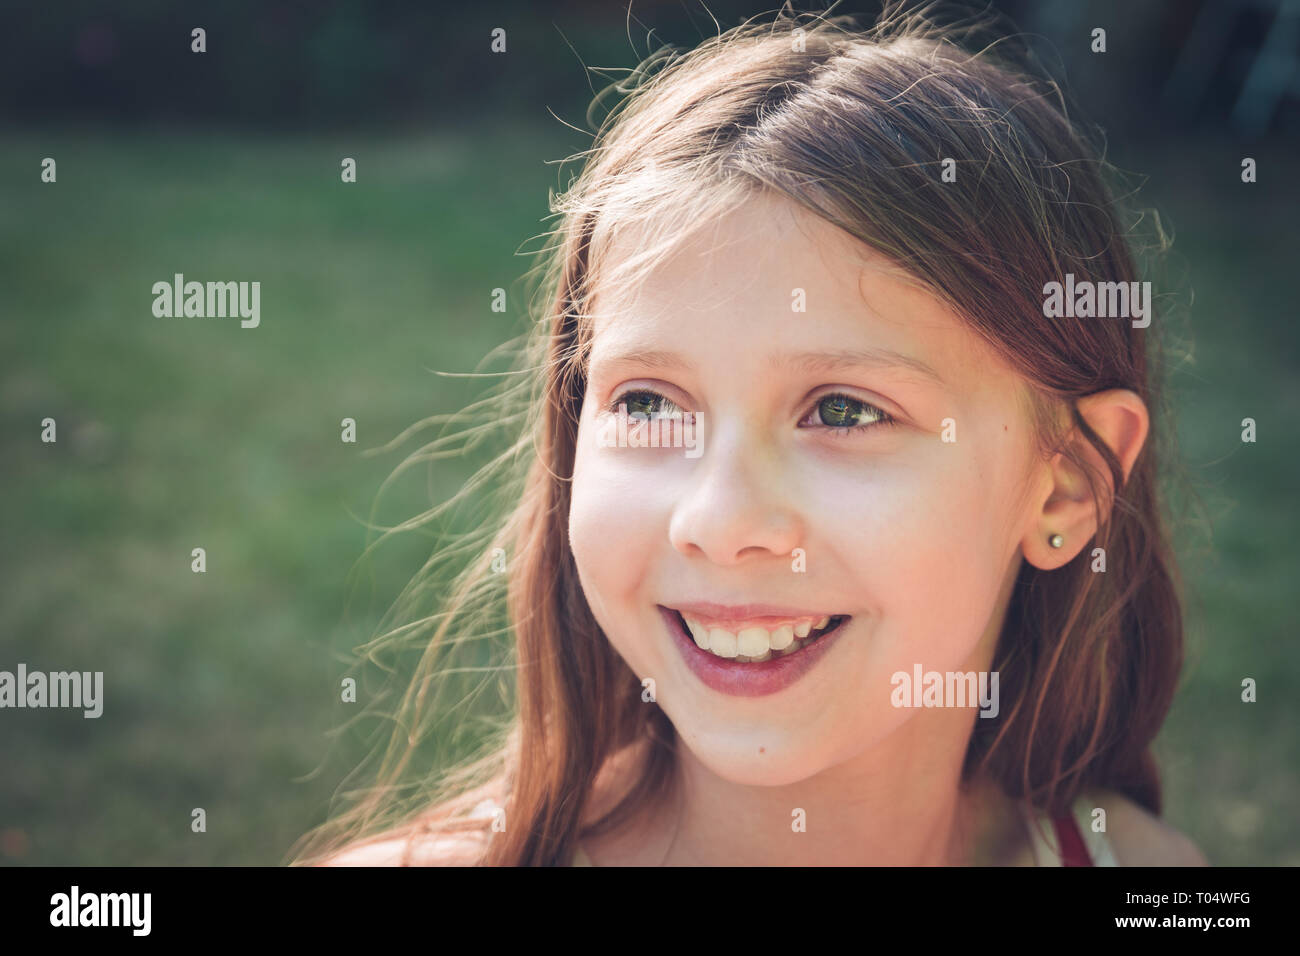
(709, 612)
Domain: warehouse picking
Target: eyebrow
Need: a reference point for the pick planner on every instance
(806, 362)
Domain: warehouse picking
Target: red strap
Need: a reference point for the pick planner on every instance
(1074, 852)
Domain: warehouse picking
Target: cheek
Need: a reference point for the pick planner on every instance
(925, 538)
(614, 529)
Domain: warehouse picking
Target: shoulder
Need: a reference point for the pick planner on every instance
(417, 846)
(412, 849)
(408, 851)
(1140, 838)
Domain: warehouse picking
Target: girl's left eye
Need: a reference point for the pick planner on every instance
(836, 412)
(844, 413)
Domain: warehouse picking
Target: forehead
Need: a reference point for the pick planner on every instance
(738, 283)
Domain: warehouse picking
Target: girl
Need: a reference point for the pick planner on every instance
(832, 545)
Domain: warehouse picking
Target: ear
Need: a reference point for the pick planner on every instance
(1064, 504)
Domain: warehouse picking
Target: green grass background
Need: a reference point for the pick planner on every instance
(221, 689)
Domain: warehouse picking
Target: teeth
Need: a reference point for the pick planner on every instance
(752, 641)
(753, 644)
(723, 643)
(781, 638)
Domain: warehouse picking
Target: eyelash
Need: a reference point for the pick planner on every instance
(883, 417)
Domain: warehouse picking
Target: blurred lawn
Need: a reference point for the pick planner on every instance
(220, 688)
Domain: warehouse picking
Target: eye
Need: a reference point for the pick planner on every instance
(643, 403)
(836, 412)
(844, 413)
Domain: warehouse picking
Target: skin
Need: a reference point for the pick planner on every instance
(919, 539)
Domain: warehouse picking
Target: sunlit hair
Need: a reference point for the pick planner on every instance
(516, 684)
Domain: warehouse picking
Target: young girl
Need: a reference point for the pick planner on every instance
(837, 543)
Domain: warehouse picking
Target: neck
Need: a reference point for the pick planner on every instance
(901, 803)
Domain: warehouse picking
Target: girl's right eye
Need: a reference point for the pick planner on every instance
(643, 402)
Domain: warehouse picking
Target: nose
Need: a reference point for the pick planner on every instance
(736, 504)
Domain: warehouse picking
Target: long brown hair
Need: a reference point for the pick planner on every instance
(855, 124)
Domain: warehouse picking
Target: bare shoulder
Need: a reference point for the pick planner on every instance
(1140, 838)
(407, 848)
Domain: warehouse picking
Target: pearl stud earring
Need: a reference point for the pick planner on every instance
(1056, 541)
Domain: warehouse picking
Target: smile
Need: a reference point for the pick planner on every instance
(756, 643)
(754, 650)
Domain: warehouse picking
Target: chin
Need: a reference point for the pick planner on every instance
(737, 758)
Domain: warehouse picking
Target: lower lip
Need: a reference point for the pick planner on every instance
(740, 679)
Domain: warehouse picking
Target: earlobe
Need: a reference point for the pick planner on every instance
(1068, 516)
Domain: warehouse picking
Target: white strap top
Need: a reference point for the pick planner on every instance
(1043, 839)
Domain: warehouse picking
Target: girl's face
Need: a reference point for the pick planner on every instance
(795, 349)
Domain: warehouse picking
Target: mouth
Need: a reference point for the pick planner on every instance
(755, 642)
